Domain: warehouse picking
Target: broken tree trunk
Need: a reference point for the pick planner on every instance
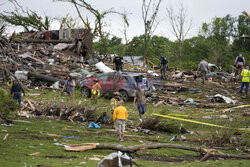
(132, 149)
(22, 85)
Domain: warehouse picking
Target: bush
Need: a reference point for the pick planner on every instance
(7, 103)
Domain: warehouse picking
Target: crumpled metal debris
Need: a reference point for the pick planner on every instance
(116, 159)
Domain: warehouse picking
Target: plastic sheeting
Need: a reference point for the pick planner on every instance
(103, 68)
(226, 99)
(116, 159)
(93, 125)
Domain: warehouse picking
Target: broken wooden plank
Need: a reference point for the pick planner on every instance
(6, 136)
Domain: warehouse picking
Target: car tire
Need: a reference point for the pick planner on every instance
(124, 95)
(85, 92)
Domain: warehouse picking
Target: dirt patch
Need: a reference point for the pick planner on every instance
(34, 137)
(60, 157)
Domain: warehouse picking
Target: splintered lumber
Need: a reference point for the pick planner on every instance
(6, 136)
(132, 149)
(159, 103)
(36, 153)
(31, 105)
(85, 147)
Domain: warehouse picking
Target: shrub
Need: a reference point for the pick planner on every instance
(7, 103)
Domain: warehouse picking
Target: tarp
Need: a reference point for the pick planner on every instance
(93, 125)
(103, 68)
(116, 159)
(227, 99)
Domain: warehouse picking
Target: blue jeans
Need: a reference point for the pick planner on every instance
(242, 86)
(18, 96)
(141, 108)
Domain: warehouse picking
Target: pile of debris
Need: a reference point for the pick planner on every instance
(55, 109)
(47, 56)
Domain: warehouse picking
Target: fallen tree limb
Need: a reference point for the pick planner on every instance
(205, 157)
(131, 149)
(22, 85)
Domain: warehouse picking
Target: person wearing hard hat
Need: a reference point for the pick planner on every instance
(114, 100)
(9, 84)
(245, 80)
(95, 92)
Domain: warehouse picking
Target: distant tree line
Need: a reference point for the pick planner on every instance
(219, 41)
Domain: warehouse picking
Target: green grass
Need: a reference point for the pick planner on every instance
(28, 135)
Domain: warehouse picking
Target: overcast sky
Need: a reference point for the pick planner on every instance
(198, 10)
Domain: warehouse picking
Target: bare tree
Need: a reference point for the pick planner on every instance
(16, 5)
(125, 29)
(150, 10)
(180, 25)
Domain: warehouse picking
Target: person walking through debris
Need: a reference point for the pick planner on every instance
(203, 67)
(69, 86)
(245, 80)
(16, 90)
(118, 63)
(120, 116)
(164, 65)
(239, 64)
(114, 101)
(140, 99)
(95, 92)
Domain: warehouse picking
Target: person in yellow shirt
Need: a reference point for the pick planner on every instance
(95, 92)
(120, 116)
(245, 79)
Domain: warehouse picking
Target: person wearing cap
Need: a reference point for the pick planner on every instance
(16, 89)
(95, 91)
(239, 64)
(114, 100)
(203, 67)
(140, 99)
(120, 116)
(245, 80)
(164, 66)
(69, 86)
